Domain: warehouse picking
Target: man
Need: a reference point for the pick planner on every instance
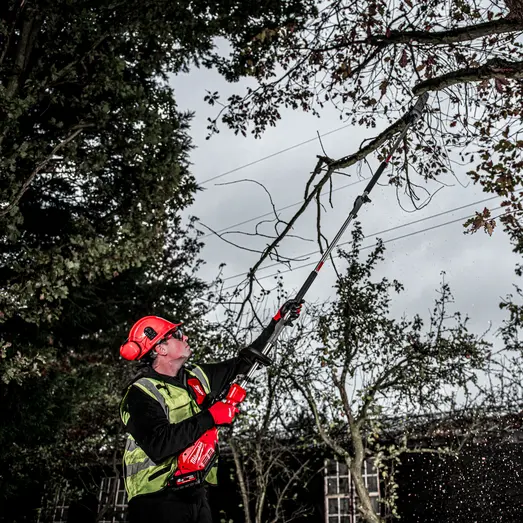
(167, 407)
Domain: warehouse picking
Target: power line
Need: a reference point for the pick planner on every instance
(375, 234)
(295, 204)
(382, 232)
(364, 248)
(273, 155)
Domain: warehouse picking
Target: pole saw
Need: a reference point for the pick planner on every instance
(197, 460)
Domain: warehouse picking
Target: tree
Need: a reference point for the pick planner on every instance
(92, 143)
(364, 366)
(271, 438)
(94, 172)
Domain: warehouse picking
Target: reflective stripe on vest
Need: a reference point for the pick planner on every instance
(151, 387)
(134, 468)
(130, 444)
(198, 373)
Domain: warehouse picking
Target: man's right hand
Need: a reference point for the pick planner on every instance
(223, 413)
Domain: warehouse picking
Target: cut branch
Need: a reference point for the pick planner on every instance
(332, 166)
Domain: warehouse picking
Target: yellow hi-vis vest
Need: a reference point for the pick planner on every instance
(141, 474)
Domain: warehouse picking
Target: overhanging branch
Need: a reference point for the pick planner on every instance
(447, 37)
(75, 132)
(450, 36)
(495, 68)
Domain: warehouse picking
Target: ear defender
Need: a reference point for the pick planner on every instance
(144, 335)
(130, 350)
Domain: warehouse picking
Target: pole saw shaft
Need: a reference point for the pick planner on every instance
(411, 117)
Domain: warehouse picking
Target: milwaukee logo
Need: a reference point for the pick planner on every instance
(197, 453)
(208, 456)
(198, 389)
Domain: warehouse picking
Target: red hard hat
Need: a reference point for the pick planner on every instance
(144, 335)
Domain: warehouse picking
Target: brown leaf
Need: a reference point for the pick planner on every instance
(489, 227)
(404, 59)
(395, 180)
(483, 85)
(500, 85)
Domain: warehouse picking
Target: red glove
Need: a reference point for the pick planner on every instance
(223, 413)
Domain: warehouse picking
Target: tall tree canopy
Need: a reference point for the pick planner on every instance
(369, 59)
(94, 171)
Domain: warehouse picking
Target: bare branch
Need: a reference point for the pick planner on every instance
(32, 176)
(332, 166)
(281, 495)
(319, 425)
(241, 479)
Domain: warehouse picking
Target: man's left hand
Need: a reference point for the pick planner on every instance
(291, 308)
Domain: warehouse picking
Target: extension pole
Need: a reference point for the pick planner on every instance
(411, 117)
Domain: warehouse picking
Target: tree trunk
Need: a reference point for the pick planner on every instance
(241, 480)
(355, 467)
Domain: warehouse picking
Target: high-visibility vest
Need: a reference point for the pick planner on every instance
(141, 474)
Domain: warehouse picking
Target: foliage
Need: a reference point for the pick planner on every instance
(94, 173)
(369, 58)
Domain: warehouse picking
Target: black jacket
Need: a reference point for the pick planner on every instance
(148, 423)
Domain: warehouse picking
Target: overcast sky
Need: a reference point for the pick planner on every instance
(479, 268)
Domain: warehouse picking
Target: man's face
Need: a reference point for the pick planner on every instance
(175, 346)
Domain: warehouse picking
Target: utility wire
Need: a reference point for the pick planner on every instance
(364, 248)
(273, 155)
(381, 232)
(282, 208)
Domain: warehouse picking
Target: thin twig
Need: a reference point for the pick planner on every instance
(32, 176)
